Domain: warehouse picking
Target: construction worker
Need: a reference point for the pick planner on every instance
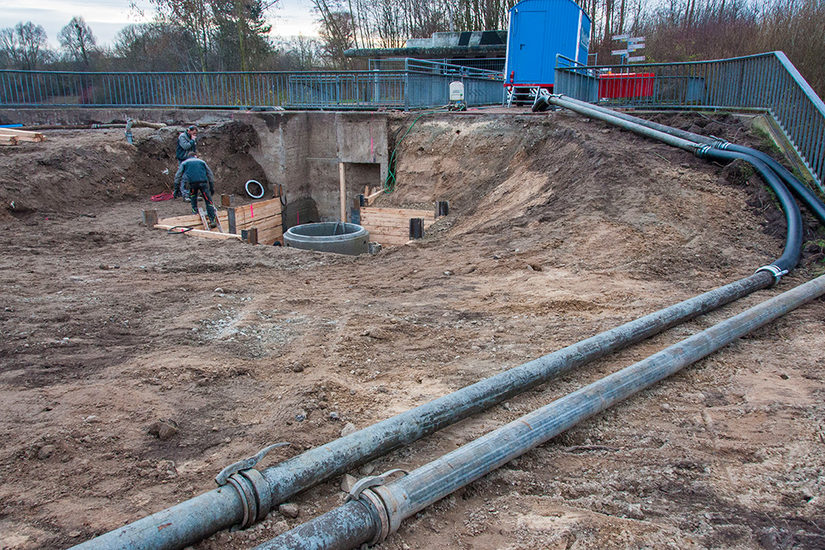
(187, 145)
(195, 175)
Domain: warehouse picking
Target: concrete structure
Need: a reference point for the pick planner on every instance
(299, 150)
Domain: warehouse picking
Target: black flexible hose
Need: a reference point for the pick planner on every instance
(793, 239)
(802, 192)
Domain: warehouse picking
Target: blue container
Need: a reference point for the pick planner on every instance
(540, 29)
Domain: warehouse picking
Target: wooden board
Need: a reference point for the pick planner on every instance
(193, 220)
(408, 212)
(266, 221)
(391, 226)
(270, 235)
(8, 140)
(23, 135)
(202, 233)
(249, 212)
(399, 223)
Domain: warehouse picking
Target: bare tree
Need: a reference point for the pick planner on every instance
(24, 46)
(77, 41)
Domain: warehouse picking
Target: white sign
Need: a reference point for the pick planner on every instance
(456, 91)
(636, 39)
(635, 58)
(621, 36)
(619, 52)
(634, 47)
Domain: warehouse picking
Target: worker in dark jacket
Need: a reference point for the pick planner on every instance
(195, 174)
(187, 146)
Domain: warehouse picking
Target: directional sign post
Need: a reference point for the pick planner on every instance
(634, 43)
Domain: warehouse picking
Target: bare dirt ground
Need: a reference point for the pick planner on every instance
(560, 228)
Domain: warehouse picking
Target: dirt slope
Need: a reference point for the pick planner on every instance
(561, 228)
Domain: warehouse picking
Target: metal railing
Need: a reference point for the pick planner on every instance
(419, 84)
(768, 82)
(495, 64)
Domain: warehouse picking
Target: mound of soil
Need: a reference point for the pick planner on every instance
(76, 171)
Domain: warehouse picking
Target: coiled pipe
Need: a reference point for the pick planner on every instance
(379, 510)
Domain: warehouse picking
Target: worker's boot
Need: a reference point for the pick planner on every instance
(213, 223)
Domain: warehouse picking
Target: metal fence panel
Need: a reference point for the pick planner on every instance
(417, 84)
(766, 81)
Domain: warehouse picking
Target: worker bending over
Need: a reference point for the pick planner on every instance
(195, 174)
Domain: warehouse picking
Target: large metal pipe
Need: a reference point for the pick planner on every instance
(384, 507)
(802, 192)
(222, 508)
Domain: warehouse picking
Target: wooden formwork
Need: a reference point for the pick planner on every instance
(259, 221)
(391, 226)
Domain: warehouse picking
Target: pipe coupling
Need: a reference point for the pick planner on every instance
(385, 509)
(381, 502)
(702, 151)
(255, 495)
(775, 271)
(719, 143)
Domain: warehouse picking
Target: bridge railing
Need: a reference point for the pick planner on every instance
(419, 84)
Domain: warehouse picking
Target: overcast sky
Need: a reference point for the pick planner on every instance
(107, 17)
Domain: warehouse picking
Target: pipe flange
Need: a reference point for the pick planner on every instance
(246, 492)
(776, 271)
(261, 489)
(374, 503)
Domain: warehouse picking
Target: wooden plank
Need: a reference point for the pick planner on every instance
(392, 219)
(373, 196)
(265, 221)
(270, 235)
(409, 212)
(250, 235)
(23, 135)
(390, 241)
(8, 140)
(247, 212)
(192, 220)
(391, 226)
(202, 233)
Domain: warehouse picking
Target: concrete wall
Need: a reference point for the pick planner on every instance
(301, 150)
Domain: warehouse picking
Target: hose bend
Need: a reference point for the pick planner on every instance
(793, 219)
(704, 147)
(799, 189)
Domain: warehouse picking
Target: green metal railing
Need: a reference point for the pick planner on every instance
(419, 84)
(768, 82)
